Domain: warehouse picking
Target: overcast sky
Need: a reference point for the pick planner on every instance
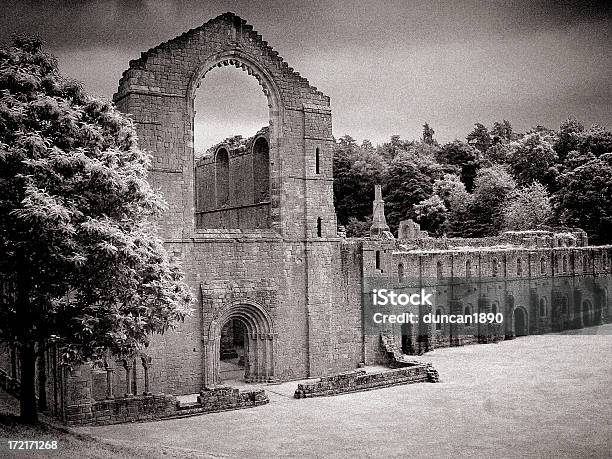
(387, 66)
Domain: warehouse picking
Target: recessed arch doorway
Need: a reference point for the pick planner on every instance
(240, 341)
(520, 322)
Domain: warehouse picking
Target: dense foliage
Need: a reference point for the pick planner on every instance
(495, 180)
(80, 263)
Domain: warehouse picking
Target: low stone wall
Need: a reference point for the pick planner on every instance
(118, 410)
(160, 406)
(228, 398)
(359, 380)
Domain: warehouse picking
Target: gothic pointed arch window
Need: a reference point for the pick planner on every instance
(400, 272)
(519, 267)
(495, 267)
(261, 171)
(222, 185)
(468, 269)
(564, 264)
(542, 265)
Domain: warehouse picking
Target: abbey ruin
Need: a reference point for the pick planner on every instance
(280, 292)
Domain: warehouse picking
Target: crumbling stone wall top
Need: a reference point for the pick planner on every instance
(134, 79)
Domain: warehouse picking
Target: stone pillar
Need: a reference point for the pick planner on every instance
(128, 373)
(484, 332)
(110, 389)
(379, 228)
(456, 330)
(146, 365)
(211, 361)
(509, 318)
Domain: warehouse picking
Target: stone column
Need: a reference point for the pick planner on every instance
(146, 365)
(110, 389)
(128, 373)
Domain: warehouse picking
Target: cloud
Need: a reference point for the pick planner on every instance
(388, 66)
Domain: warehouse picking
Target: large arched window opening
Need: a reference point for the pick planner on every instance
(235, 109)
(228, 102)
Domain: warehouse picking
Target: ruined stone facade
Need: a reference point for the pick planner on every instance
(254, 225)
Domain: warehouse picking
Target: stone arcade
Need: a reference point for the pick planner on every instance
(279, 293)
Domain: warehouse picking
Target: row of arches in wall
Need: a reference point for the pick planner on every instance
(260, 178)
(261, 173)
(495, 267)
(584, 310)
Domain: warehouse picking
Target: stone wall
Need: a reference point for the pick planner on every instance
(238, 169)
(159, 406)
(552, 289)
(316, 327)
(359, 380)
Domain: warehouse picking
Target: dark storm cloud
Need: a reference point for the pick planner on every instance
(389, 66)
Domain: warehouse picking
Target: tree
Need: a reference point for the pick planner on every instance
(358, 228)
(585, 198)
(531, 159)
(568, 136)
(501, 132)
(367, 145)
(499, 153)
(576, 159)
(462, 155)
(356, 171)
(493, 186)
(479, 137)
(82, 267)
(595, 140)
(451, 190)
(408, 180)
(428, 134)
(431, 213)
(528, 208)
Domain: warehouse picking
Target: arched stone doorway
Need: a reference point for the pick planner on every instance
(241, 339)
(232, 350)
(520, 322)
